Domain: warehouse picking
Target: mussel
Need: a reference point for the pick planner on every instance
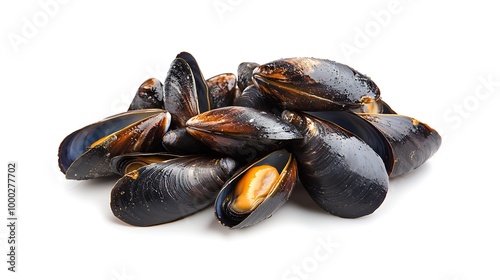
(412, 141)
(186, 91)
(222, 90)
(186, 95)
(341, 173)
(179, 141)
(180, 145)
(256, 192)
(86, 153)
(245, 72)
(311, 84)
(364, 130)
(241, 132)
(149, 95)
(170, 190)
(253, 98)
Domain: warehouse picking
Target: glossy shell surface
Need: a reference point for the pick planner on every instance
(167, 191)
(341, 173)
(286, 165)
(311, 84)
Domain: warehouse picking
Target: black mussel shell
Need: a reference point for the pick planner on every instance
(200, 82)
(241, 132)
(181, 142)
(170, 190)
(222, 90)
(186, 92)
(362, 129)
(412, 141)
(149, 95)
(310, 84)
(341, 173)
(286, 165)
(245, 72)
(253, 98)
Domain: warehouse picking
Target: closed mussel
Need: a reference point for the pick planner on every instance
(179, 141)
(253, 98)
(86, 153)
(245, 70)
(311, 84)
(170, 190)
(341, 173)
(186, 95)
(149, 95)
(364, 130)
(412, 141)
(186, 91)
(241, 132)
(222, 90)
(257, 191)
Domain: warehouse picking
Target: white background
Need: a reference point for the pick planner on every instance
(66, 65)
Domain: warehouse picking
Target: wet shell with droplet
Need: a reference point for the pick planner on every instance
(311, 84)
(170, 190)
(341, 173)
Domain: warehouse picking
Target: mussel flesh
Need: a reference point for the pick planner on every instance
(257, 191)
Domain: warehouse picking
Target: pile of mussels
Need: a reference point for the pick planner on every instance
(242, 143)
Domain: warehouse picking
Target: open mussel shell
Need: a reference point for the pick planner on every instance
(86, 153)
(310, 84)
(412, 141)
(186, 91)
(241, 132)
(126, 163)
(170, 190)
(278, 194)
(341, 173)
(149, 95)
